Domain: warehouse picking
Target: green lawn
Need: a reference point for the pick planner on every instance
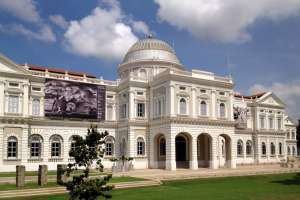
(32, 185)
(268, 187)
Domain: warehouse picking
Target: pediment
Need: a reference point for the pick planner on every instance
(8, 66)
(271, 99)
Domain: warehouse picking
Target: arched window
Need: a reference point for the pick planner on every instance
(289, 151)
(294, 151)
(162, 146)
(140, 146)
(272, 148)
(263, 149)
(203, 108)
(240, 148)
(249, 147)
(293, 135)
(12, 147)
(222, 110)
(109, 146)
(280, 148)
(36, 107)
(288, 135)
(182, 106)
(56, 145)
(35, 146)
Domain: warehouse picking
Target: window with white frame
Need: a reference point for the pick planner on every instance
(182, 106)
(289, 151)
(123, 111)
(56, 144)
(273, 149)
(262, 122)
(12, 147)
(203, 108)
(248, 147)
(109, 112)
(140, 110)
(140, 146)
(13, 104)
(36, 107)
(263, 149)
(35, 146)
(240, 148)
(279, 121)
(109, 147)
(222, 110)
(280, 148)
(271, 123)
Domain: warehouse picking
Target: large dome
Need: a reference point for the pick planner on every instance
(151, 49)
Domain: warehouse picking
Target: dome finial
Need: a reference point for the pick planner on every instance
(150, 36)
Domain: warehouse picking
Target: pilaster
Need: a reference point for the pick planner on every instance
(131, 105)
(24, 145)
(213, 104)
(194, 109)
(25, 100)
(172, 100)
(214, 161)
(2, 98)
(194, 159)
(170, 151)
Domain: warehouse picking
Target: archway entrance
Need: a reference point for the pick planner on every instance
(182, 151)
(204, 149)
(160, 151)
(224, 150)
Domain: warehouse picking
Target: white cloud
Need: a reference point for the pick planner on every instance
(288, 92)
(140, 27)
(223, 20)
(106, 33)
(44, 33)
(22, 9)
(59, 21)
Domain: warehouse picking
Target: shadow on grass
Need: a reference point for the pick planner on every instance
(294, 181)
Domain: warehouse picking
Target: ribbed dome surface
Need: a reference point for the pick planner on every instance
(151, 49)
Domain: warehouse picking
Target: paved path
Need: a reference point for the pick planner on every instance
(163, 175)
(61, 190)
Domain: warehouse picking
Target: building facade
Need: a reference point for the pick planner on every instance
(156, 112)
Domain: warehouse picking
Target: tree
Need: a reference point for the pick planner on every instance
(87, 152)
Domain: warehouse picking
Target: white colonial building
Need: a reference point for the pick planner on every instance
(156, 112)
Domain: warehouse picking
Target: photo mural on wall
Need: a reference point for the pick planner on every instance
(69, 99)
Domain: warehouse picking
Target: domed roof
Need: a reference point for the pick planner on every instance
(151, 49)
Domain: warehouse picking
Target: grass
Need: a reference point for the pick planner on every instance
(271, 187)
(32, 185)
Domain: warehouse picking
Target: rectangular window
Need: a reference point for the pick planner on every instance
(262, 122)
(12, 149)
(271, 125)
(279, 123)
(140, 148)
(38, 89)
(13, 84)
(13, 104)
(35, 149)
(123, 111)
(141, 110)
(36, 107)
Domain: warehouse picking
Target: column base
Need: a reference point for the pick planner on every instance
(171, 165)
(194, 164)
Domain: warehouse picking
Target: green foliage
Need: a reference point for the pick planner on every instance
(88, 151)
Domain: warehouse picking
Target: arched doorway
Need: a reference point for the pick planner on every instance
(204, 150)
(224, 150)
(160, 151)
(182, 150)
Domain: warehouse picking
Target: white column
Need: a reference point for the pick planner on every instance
(1, 147)
(131, 105)
(213, 104)
(24, 143)
(172, 100)
(171, 152)
(230, 110)
(194, 108)
(2, 98)
(214, 161)
(25, 100)
(194, 159)
(232, 161)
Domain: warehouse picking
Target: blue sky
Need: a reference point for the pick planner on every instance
(258, 40)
